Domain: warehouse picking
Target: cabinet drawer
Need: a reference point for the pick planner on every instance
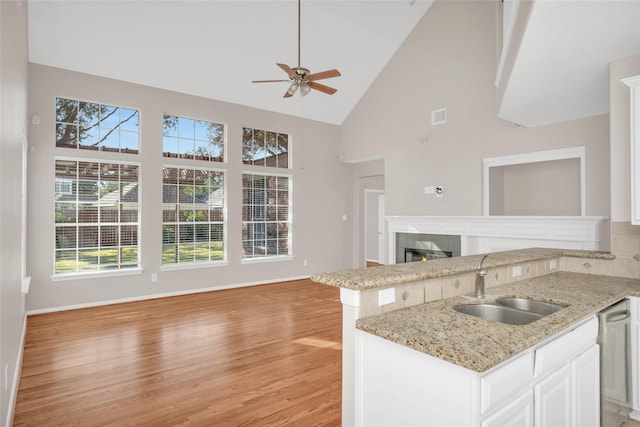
(507, 381)
(556, 353)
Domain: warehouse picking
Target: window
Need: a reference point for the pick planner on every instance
(193, 215)
(96, 216)
(91, 126)
(193, 139)
(265, 148)
(266, 215)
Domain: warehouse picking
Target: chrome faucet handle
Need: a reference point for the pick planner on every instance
(482, 271)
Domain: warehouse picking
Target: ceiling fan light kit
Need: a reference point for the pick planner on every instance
(301, 78)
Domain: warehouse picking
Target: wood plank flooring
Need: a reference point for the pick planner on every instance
(267, 355)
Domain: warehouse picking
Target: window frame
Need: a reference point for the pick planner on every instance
(119, 271)
(210, 160)
(208, 263)
(88, 151)
(269, 258)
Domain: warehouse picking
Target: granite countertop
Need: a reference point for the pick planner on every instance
(388, 275)
(478, 344)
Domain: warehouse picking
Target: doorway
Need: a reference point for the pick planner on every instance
(374, 227)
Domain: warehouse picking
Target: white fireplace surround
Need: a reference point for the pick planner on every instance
(481, 234)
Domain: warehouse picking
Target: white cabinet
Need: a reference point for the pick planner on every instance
(553, 399)
(518, 413)
(585, 386)
(551, 385)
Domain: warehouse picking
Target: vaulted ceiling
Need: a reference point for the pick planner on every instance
(215, 49)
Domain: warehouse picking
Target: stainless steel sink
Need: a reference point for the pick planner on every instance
(530, 305)
(499, 313)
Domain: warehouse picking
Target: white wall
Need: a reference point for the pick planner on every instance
(449, 60)
(13, 114)
(320, 195)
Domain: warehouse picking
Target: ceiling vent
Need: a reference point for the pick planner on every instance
(439, 117)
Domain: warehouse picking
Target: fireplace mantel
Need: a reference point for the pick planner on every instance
(480, 234)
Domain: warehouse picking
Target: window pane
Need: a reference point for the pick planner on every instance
(92, 126)
(265, 148)
(263, 204)
(92, 202)
(188, 222)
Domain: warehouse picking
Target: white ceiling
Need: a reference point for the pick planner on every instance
(562, 69)
(215, 48)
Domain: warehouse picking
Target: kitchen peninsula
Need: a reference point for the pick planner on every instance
(404, 344)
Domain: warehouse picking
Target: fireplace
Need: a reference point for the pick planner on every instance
(412, 247)
(414, 254)
(469, 235)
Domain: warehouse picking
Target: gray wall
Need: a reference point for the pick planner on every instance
(541, 188)
(320, 197)
(449, 60)
(13, 114)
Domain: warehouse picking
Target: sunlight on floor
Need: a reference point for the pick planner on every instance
(317, 342)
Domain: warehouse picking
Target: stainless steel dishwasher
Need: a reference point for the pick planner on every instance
(615, 364)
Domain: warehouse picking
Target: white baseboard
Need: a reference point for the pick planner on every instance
(16, 375)
(161, 295)
(635, 415)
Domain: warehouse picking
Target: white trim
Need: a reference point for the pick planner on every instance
(367, 193)
(258, 260)
(634, 134)
(61, 277)
(508, 24)
(479, 234)
(362, 159)
(193, 265)
(578, 152)
(16, 375)
(162, 295)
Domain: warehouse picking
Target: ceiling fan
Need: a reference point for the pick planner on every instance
(301, 78)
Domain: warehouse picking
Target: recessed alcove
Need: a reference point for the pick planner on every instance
(542, 183)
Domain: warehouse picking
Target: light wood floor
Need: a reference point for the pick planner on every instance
(264, 355)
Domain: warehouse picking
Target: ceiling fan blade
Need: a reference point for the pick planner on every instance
(287, 94)
(323, 75)
(269, 81)
(322, 88)
(287, 70)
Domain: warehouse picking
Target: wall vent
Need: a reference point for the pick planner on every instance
(439, 117)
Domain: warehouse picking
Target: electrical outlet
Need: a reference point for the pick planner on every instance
(553, 264)
(517, 271)
(154, 277)
(386, 296)
(306, 262)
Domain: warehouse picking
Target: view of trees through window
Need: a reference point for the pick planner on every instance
(265, 148)
(192, 139)
(92, 126)
(192, 216)
(96, 216)
(266, 217)
(97, 220)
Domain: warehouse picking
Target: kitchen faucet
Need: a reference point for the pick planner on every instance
(480, 273)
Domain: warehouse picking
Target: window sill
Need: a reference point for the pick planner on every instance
(193, 265)
(267, 259)
(61, 277)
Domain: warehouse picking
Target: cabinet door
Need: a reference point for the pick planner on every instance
(552, 399)
(518, 413)
(585, 377)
